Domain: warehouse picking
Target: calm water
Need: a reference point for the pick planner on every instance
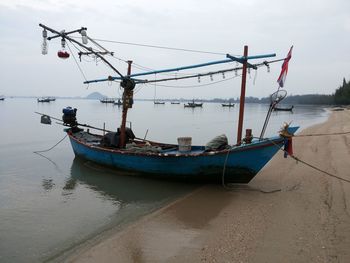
(53, 203)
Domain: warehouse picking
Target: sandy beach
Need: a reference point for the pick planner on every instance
(287, 213)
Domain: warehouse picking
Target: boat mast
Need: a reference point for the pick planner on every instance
(242, 98)
(127, 103)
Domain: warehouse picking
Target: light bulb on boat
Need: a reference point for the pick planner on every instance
(44, 45)
(63, 53)
(84, 38)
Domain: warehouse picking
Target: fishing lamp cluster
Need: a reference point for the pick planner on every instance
(62, 53)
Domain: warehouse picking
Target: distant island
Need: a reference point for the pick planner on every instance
(95, 96)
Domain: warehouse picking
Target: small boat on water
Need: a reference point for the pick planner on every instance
(228, 104)
(118, 102)
(2, 97)
(217, 161)
(159, 102)
(44, 99)
(193, 104)
(107, 100)
(174, 102)
(283, 109)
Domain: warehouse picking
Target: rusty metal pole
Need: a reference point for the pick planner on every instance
(125, 111)
(242, 98)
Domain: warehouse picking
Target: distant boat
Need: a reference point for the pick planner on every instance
(284, 109)
(228, 104)
(175, 102)
(2, 97)
(193, 104)
(44, 99)
(118, 102)
(159, 102)
(107, 100)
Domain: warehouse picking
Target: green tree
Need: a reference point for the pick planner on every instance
(342, 94)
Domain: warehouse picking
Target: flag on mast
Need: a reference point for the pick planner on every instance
(282, 78)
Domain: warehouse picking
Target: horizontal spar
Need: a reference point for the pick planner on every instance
(184, 67)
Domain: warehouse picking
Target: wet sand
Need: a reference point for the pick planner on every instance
(305, 218)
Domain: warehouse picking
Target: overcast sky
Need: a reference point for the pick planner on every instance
(319, 31)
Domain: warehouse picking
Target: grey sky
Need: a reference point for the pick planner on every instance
(319, 31)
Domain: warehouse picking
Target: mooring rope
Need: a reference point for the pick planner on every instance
(322, 134)
(52, 146)
(292, 156)
(233, 187)
(308, 164)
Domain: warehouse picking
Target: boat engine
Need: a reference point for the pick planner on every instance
(69, 116)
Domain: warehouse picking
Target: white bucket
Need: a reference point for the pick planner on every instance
(184, 144)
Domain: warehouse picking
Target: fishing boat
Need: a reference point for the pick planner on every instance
(216, 161)
(44, 99)
(2, 97)
(159, 102)
(193, 104)
(175, 102)
(284, 109)
(107, 100)
(118, 103)
(229, 104)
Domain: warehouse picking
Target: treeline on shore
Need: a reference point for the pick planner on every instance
(340, 97)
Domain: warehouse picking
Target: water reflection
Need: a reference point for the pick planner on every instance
(122, 186)
(47, 184)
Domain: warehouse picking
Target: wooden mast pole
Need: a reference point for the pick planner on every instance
(242, 98)
(125, 110)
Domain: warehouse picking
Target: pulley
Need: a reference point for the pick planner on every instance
(128, 84)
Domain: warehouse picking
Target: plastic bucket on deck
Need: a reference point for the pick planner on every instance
(184, 144)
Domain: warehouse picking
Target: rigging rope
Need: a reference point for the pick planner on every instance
(76, 62)
(207, 74)
(159, 47)
(194, 86)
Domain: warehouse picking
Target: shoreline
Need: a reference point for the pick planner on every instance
(305, 218)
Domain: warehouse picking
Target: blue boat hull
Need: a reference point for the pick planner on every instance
(239, 165)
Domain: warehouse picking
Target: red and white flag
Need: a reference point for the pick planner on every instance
(282, 78)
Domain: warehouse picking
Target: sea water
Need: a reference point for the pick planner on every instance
(53, 202)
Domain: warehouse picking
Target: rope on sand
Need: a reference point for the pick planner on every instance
(311, 165)
(321, 134)
(292, 156)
